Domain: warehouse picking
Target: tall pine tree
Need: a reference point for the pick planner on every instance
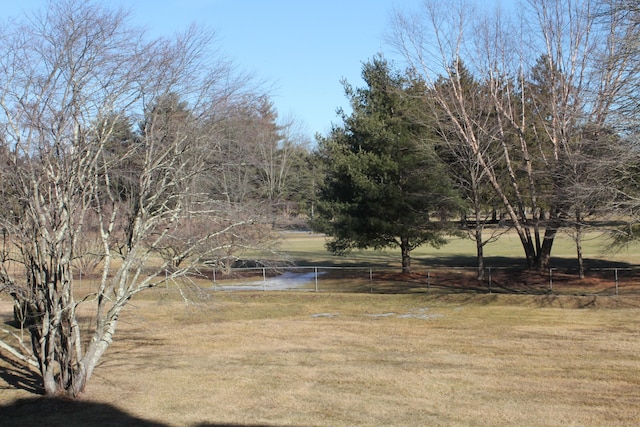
(384, 185)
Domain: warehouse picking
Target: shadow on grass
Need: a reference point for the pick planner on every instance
(19, 376)
(42, 411)
(466, 261)
(509, 262)
(53, 412)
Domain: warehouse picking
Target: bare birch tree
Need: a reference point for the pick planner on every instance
(470, 176)
(533, 130)
(622, 18)
(67, 72)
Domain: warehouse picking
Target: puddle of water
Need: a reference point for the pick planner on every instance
(284, 282)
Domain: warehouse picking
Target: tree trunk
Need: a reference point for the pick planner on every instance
(527, 245)
(538, 255)
(544, 254)
(49, 383)
(478, 235)
(579, 244)
(480, 253)
(68, 376)
(406, 255)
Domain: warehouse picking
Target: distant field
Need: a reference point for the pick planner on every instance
(309, 248)
(452, 268)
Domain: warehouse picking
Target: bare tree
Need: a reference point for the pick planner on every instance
(533, 129)
(468, 173)
(589, 181)
(66, 74)
(622, 20)
(250, 174)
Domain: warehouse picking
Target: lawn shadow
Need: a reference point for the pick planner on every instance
(19, 376)
(40, 411)
(16, 374)
(54, 412)
(469, 261)
(347, 262)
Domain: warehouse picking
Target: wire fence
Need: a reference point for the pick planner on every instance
(600, 281)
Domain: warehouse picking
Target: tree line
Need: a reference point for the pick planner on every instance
(530, 116)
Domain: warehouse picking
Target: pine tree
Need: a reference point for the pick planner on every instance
(384, 185)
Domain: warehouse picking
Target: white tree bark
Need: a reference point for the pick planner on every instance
(536, 131)
(68, 76)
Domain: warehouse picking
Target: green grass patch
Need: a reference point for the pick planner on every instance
(309, 249)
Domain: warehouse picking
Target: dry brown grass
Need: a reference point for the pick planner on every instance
(307, 359)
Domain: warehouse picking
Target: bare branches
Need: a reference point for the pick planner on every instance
(543, 83)
(76, 79)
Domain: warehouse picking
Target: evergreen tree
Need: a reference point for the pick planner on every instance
(384, 185)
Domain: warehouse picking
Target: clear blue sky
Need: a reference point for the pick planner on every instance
(302, 48)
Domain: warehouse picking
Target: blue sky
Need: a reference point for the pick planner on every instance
(301, 48)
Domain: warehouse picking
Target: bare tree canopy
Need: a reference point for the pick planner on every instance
(75, 78)
(550, 76)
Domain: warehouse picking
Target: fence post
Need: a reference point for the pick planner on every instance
(214, 277)
(551, 279)
(264, 279)
(315, 271)
(616, 274)
(428, 280)
(489, 279)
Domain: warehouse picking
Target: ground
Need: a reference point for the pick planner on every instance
(343, 359)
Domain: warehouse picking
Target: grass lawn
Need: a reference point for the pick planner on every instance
(452, 268)
(345, 359)
(308, 249)
(306, 359)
